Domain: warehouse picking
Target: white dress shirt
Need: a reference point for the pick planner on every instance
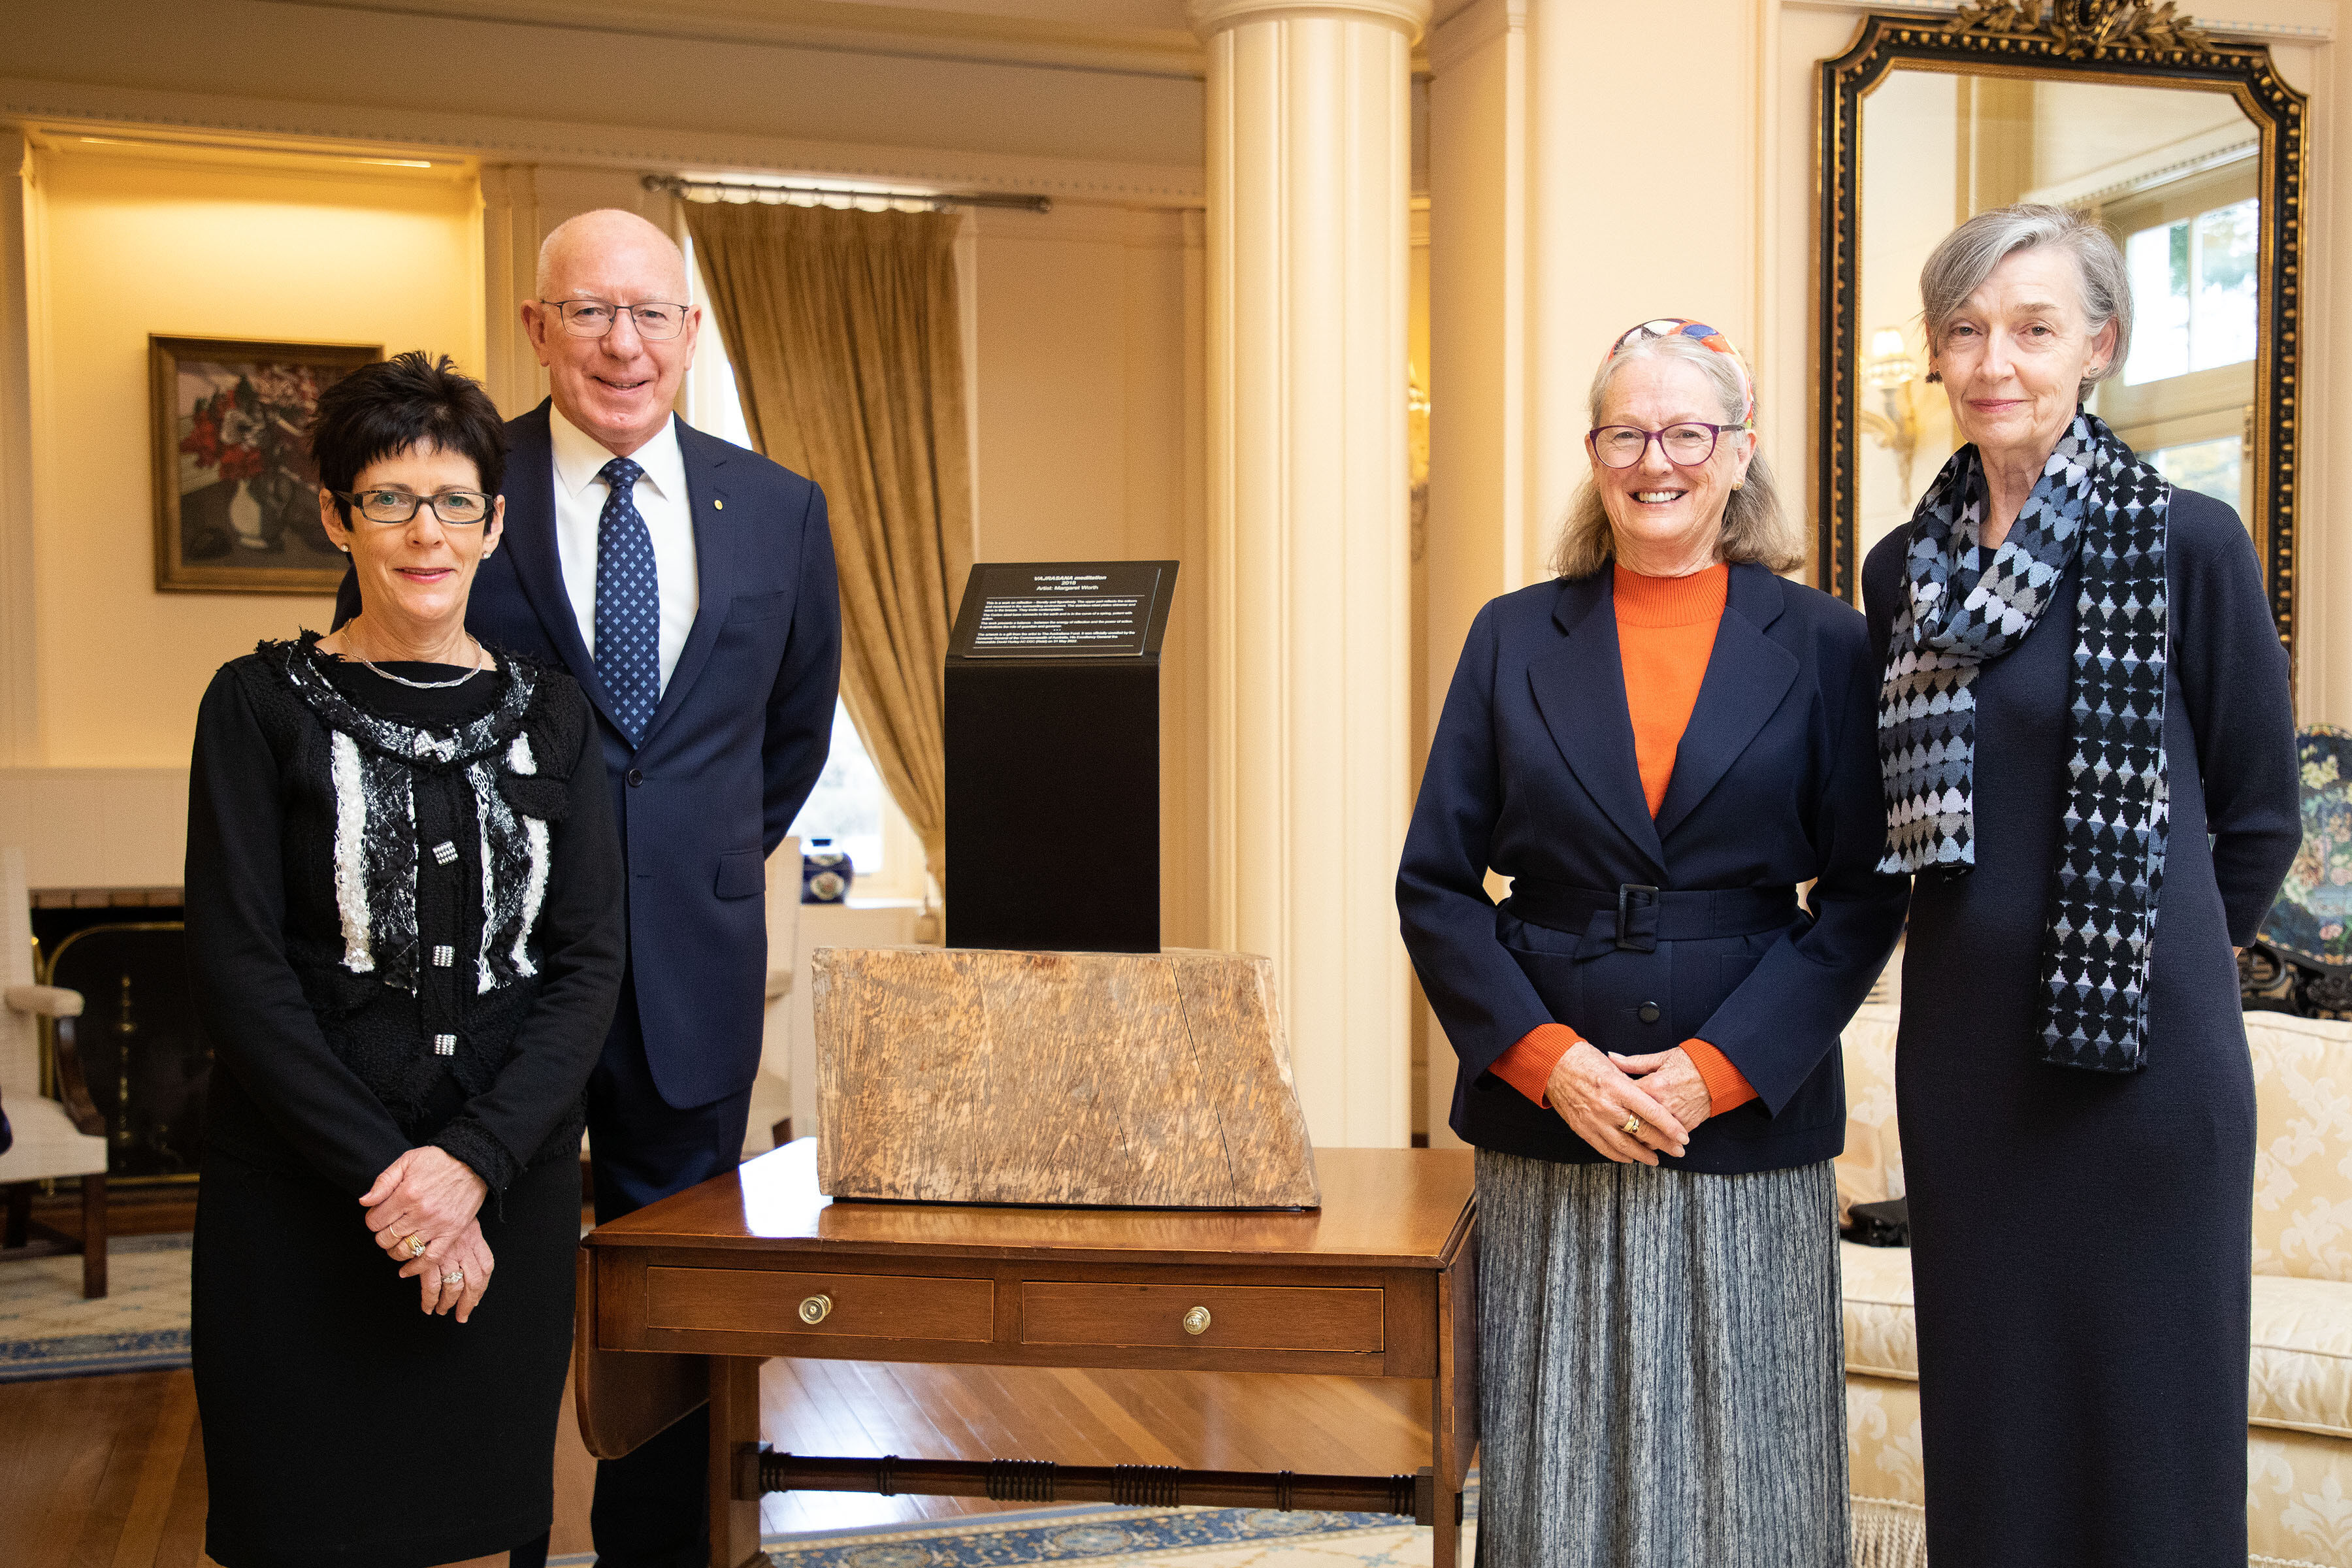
(580, 494)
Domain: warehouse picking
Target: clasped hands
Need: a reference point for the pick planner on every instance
(1594, 1091)
(431, 1195)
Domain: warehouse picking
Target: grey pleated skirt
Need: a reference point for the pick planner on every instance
(1660, 1366)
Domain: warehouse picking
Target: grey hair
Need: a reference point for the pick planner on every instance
(1756, 527)
(1959, 267)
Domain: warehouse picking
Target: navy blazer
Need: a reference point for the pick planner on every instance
(731, 752)
(1776, 782)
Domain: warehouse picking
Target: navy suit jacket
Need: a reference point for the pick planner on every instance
(1776, 782)
(732, 751)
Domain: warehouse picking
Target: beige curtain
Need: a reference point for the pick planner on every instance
(843, 329)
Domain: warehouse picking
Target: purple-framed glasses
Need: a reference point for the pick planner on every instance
(1686, 445)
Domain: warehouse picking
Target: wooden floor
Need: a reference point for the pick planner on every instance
(108, 1471)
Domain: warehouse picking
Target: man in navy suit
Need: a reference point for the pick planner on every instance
(688, 585)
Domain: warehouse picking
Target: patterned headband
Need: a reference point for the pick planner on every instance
(1698, 333)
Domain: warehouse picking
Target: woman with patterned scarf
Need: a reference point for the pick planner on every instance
(2087, 736)
(404, 895)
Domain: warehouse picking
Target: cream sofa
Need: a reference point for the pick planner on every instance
(2299, 1432)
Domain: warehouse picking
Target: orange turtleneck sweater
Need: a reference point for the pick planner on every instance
(1665, 632)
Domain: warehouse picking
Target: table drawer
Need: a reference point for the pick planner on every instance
(1225, 1317)
(854, 1306)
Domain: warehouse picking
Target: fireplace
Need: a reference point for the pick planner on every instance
(143, 1057)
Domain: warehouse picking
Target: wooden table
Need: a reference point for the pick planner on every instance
(683, 1301)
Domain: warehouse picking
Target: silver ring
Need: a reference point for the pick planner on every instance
(456, 1278)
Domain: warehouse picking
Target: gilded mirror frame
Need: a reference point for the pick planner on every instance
(2123, 42)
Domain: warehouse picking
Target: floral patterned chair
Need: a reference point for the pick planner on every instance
(2299, 1390)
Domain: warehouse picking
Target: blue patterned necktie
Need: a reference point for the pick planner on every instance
(628, 602)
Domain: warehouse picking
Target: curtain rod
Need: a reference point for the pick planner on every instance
(678, 185)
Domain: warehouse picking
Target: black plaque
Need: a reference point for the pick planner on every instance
(1052, 756)
(1089, 609)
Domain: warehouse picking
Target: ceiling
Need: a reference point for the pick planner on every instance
(1134, 36)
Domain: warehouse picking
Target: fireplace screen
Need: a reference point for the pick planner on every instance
(143, 1055)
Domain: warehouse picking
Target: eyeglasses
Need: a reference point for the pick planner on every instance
(654, 318)
(1686, 445)
(454, 509)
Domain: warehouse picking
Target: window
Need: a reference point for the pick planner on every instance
(2192, 247)
(849, 803)
(2214, 468)
(2194, 284)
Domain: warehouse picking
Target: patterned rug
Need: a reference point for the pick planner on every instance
(47, 1329)
(1099, 1535)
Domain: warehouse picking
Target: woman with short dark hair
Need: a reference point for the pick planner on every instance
(404, 929)
(2087, 736)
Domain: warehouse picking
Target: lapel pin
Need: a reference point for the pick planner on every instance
(718, 505)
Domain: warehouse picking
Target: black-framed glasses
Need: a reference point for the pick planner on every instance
(654, 318)
(455, 508)
(1686, 445)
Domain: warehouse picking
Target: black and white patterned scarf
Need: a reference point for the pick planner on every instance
(2097, 501)
(374, 765)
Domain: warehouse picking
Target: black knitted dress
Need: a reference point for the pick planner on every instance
(2081, 1241)
(367, 989)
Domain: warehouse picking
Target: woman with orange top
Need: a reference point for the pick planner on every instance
(1657, 747)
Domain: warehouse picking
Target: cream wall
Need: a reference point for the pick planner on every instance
(1089, 431)
(130, 244)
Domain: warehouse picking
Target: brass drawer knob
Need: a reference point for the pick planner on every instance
(815, 1309)
(1196, 1321)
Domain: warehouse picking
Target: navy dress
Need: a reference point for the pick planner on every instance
(2081, 1241)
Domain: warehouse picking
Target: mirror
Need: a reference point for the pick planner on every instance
(2191, 153)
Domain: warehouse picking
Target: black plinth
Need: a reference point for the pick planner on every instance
(1053, 757)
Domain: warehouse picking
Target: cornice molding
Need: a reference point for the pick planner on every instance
(907, 34)
(1211, 17)
(496, 139)
(1472, 28)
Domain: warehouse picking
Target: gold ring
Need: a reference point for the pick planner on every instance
(1632, 1126)
(416, 1247)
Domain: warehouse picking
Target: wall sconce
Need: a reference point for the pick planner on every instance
(1417, 431)
(1416, 423)
(1891, 368)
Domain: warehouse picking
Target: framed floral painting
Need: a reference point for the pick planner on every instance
(236, 497)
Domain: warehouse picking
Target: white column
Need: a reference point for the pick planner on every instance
(1310, 110)
(20, 711)
(510, 234)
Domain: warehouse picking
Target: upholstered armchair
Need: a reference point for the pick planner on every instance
(57, 1136)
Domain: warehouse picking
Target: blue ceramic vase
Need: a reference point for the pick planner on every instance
(825, 873)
